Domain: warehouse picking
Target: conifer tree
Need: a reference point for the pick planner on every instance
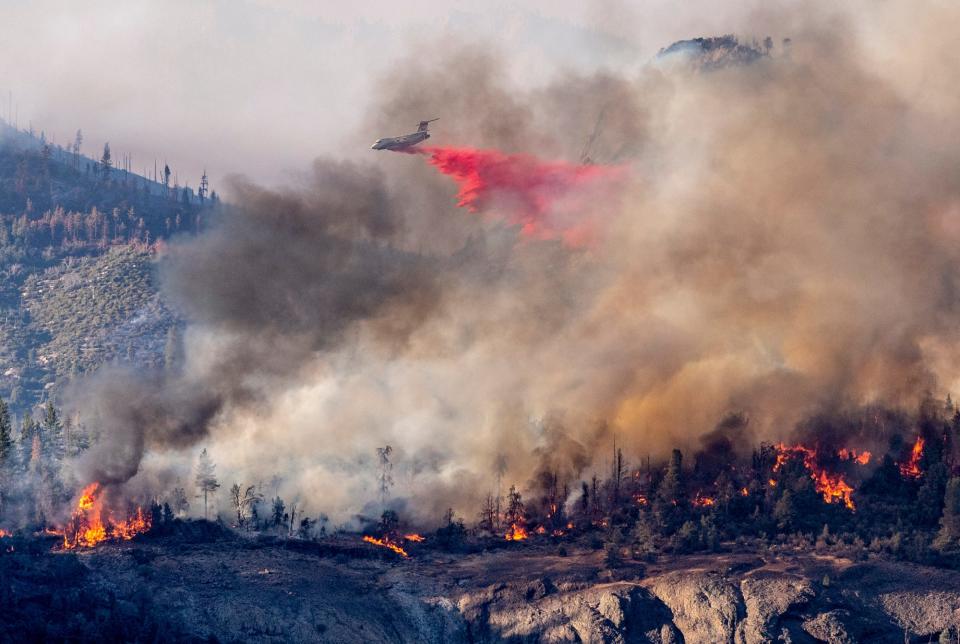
(672, 489)
(206, 479)
(6, 433)
(949, 535)
(516, 514)
(28, 429)
(53, 432)
(106, 162)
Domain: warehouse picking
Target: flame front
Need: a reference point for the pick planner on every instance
(832, 487)
(92, 524)
(861, 458)
(703, 501)
(517, 532)
(386, 543)
(911, 469)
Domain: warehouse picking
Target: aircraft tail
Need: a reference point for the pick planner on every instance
(424, 124)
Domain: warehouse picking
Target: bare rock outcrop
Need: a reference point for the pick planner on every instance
(836, 627)
(608, 613)
(918, 600)
(767, 597)
(706, 607)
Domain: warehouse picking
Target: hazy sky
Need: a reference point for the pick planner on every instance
(264, 86)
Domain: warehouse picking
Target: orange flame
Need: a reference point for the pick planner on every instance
(911, 469)
(832, 487)
(517, 532)
(703, 501)
(641, 499)
(744, 492)
(91, 523)
(387, 543)
(4, 533)
(416, 538)
(861, 458)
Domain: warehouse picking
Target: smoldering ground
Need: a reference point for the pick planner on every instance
(785, 245)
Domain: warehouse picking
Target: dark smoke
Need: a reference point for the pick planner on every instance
(283, 277)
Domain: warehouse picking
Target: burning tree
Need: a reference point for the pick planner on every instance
(93, 522)
(515, 517)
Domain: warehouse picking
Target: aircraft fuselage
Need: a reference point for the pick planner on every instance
(400, 142)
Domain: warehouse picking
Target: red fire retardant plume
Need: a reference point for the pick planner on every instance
(547, 199)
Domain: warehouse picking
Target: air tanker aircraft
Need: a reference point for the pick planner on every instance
(405, 141)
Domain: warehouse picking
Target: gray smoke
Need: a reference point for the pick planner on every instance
(787, 243)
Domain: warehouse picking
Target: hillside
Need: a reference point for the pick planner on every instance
(77, 244)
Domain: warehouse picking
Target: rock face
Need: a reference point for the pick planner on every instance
(706, 607)
(768, 596)
(234, 590)
(751, 603)
(616, 612)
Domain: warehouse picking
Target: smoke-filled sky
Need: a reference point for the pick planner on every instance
(781, 240)
(264, 86)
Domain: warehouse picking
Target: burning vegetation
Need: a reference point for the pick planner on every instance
(386, 542)
(911, 468)
(830, 485)
(785, 490)
(830, 478)
(93, 523)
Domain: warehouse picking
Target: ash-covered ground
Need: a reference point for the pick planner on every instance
(202, 582)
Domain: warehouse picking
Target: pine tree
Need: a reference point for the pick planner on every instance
(77, 142)
(53, 432)
(672, 489)
(206, 479)
(516, 515)
(949, 535)
(106, 162)
(28, 431)
(6, 433)
(278, 511)
(180, 502)
(671, 496)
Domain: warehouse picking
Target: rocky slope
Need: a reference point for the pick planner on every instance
(232, 589)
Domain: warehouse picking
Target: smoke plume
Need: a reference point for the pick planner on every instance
(782, 242)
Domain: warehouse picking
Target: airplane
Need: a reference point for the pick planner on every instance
(405, 141)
